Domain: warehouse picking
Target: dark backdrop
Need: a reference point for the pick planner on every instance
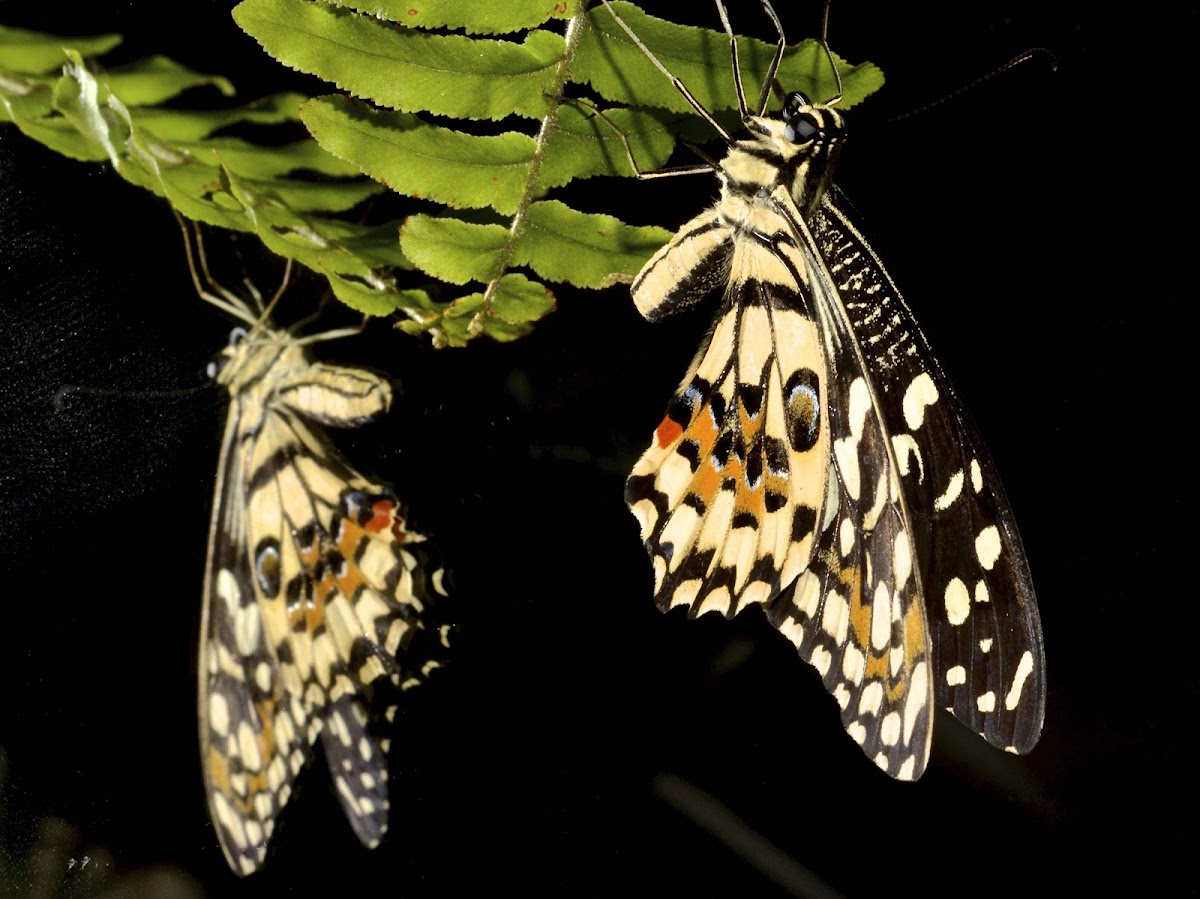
(581, 743)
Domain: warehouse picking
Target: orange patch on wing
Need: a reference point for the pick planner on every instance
(877, 666)
(266, 737)
(914, 646)
(706, 482)
(218, 771)
(860, 612)
(351, 580)
(348, 536)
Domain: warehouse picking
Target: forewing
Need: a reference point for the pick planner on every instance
(988, 662)
(856, 612)
(252, 730)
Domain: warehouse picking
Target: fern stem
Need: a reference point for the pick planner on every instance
(562, 73)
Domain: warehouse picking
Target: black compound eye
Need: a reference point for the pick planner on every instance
(801, 128)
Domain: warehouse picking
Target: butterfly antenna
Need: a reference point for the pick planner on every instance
(837, 74)
(1030, 55)
(737, 67)
(679, 85)
(773, 68)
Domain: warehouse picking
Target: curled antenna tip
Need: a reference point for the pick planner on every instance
(1044, 55)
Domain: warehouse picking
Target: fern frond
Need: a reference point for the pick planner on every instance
(416, 111)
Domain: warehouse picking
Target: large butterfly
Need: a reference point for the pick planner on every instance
(320, 605)
(817, 463)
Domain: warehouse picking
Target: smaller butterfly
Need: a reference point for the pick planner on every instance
(320, 605)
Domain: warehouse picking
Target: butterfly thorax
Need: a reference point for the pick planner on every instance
(794, 153)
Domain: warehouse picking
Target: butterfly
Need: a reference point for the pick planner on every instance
(320, 604)
(816, 461)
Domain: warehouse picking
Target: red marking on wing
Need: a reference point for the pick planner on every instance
(668, 432)
(381, 515)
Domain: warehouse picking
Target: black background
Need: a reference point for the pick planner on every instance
(581, 742)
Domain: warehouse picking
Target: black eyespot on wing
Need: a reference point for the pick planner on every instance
(267, 567)
(802, 397)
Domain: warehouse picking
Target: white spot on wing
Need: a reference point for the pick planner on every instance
(952, 492)
(227, 589)
(842, 695)
(793, 630)
(1024, 669)
(845, 451)
(881, 618)
(987, 546)
(860, 403)
(247, 625)
(921, 392)
(218, 714)
(956, 675)
(976, 476)
(248, 747)
(846, 536)
(986, 702)
(904, 446)
(871, 700)
(835, 619)
(901, 559)
(254, 832)
(917, 701)
(853, 665)
(262, 676)
(889, 732)
(821, 660)
(958, 602)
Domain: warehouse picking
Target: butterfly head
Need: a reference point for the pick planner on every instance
(246, 357)
(801, 143)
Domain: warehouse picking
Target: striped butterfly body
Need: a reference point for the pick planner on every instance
(320, 605)
(816, 462)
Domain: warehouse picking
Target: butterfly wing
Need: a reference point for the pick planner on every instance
(772, 465)
(856, 612)
(342, 604)
(985, 630)
(728, 493)
(253, 739)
